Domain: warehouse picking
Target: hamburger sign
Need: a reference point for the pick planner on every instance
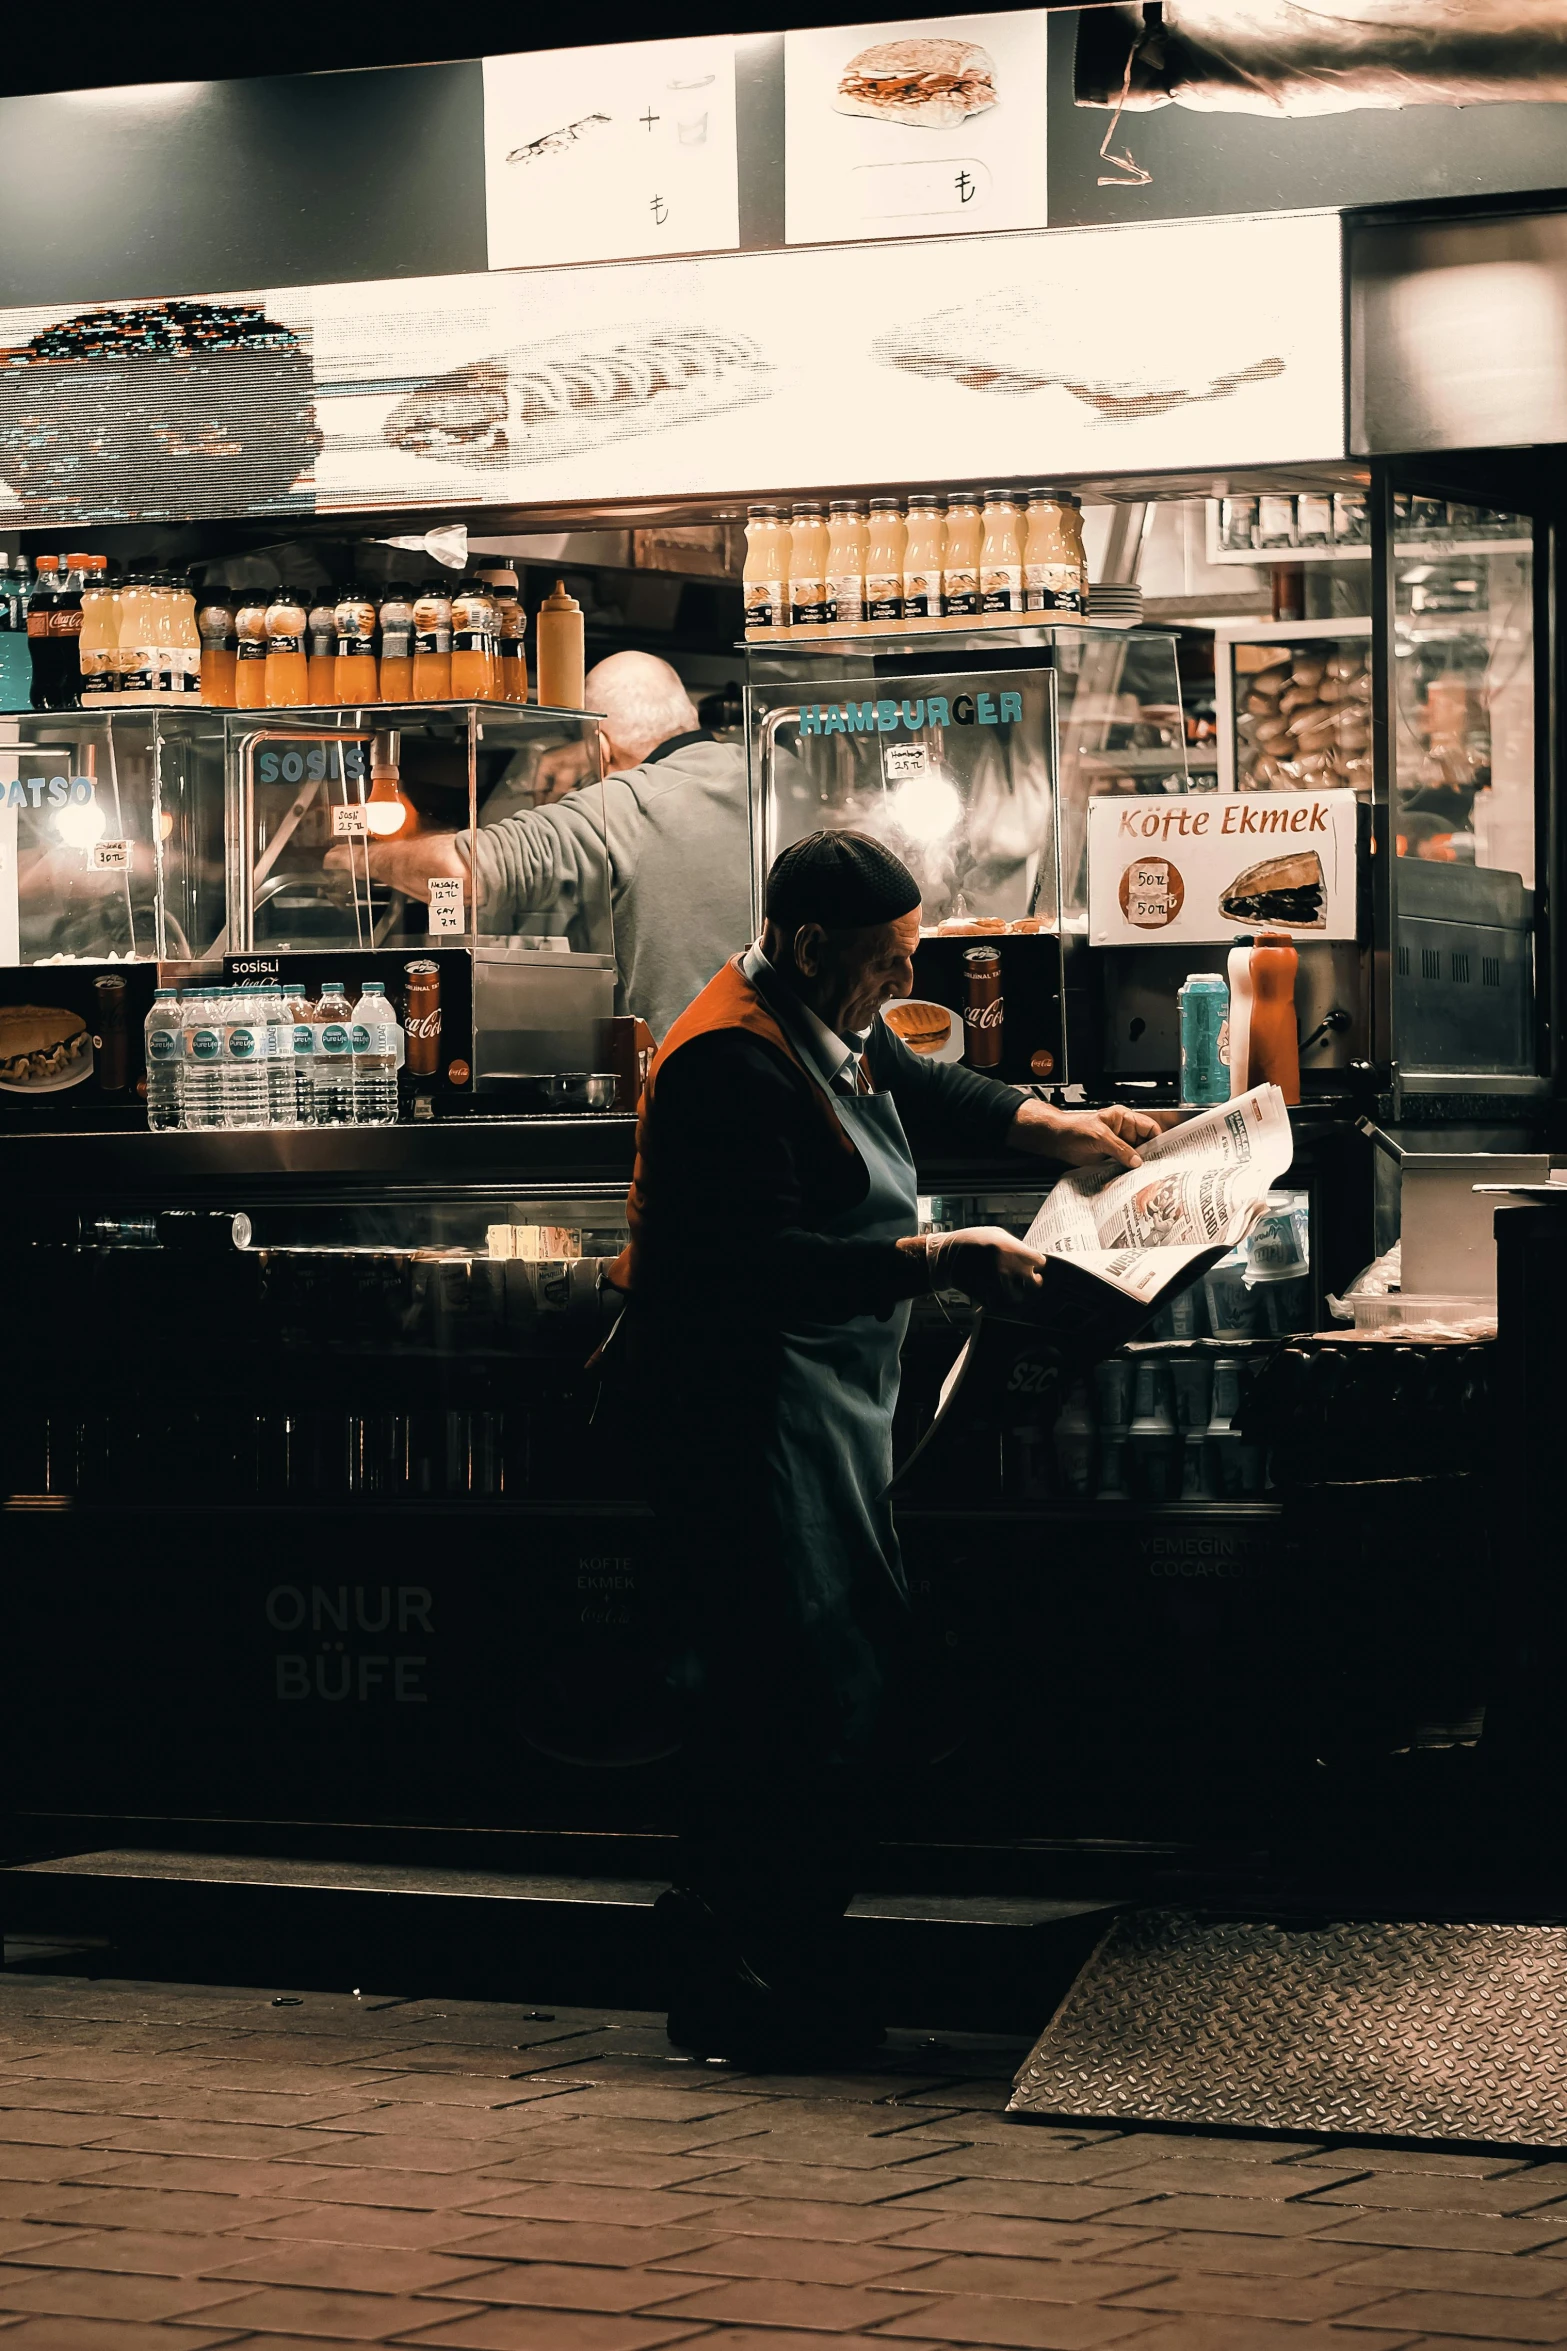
(1197, 867)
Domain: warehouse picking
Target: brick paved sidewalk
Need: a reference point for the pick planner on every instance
(187, 2166)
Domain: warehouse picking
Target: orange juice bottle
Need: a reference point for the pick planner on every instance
(215, 626)
(808, 567)
(511, 633)
(846, 566)
(250, 649)
(924, 551)
(288, 664)
(885, 540)
(960, 560)
(321, 647)
(354, 678)
(98, 645)
(397, 642)
(1001, 555)
(1055, 577)
(432, 681)
(767, 562)
(474, 623)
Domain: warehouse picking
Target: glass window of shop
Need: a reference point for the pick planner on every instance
(1463, 786)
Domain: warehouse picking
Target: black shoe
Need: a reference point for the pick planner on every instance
(722, 2004)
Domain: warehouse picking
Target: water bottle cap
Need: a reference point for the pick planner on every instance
(375, 987)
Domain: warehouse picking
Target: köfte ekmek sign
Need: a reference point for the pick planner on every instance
(1205, 866)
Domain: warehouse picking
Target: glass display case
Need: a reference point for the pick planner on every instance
(111, 836)
(1463, 792)
(1293, 702)
(973, 756)
(180, 835)
(312, 792)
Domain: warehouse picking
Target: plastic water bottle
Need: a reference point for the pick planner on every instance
(201, 1057)
(245, 1058)
(334, 1070)
(164, 1107)
(301, 1017)
(375, 1058)
(281, 1104)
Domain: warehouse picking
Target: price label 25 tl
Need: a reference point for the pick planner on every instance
(350, 821)
(445, 902)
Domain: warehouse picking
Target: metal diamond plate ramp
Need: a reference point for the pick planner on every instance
(1366, 2028)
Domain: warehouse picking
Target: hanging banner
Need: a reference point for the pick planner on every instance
(1058, 352)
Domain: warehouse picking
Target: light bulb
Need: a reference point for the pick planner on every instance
(386, 811)
(80, 823)
(926, 807)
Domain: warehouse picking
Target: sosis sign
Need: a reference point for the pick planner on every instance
(1201, 867)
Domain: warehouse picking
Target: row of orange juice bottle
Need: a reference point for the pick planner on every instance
(440, 643)
(850, 566)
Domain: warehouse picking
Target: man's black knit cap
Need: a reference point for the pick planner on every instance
(844, 881)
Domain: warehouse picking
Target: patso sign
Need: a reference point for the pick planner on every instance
(1212, 866)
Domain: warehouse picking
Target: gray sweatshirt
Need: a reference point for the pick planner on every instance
(674, 872)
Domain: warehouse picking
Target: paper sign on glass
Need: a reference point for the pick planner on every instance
(1206, 866)
(446, 911)
(350, 821)
(934, 127)
(604, 154)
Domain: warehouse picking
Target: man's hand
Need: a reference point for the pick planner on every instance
(1079, 1137)
(407, 865)
(985, 1261)
(561, 770)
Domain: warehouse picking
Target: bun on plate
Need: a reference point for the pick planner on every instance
(932, 81)
(924, 1028)
(39, 1041)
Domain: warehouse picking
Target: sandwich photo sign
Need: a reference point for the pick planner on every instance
(1196, 867)
(928, 128)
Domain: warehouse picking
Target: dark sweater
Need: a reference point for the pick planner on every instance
(743, 1169)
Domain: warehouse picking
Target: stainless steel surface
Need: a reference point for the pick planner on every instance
(538, 1014)
(1415, 2031)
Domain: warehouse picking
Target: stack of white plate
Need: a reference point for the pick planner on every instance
(1115, 605)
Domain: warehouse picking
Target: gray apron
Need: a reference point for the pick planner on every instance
(828, 1456)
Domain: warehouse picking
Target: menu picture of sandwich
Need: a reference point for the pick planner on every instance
(929, 128)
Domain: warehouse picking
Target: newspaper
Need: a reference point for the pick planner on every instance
(1202, 1185)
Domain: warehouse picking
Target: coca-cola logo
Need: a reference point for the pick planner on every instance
(983, 1016)
(424, 1024)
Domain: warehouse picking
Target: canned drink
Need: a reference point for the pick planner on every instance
(422, 1017)
(983, 1006)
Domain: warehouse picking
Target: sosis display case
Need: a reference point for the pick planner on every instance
(152, 846)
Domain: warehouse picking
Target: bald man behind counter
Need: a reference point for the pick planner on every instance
(671, 856)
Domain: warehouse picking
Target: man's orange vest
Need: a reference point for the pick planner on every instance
(727, 1002)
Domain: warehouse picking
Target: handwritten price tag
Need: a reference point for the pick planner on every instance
(901, 760)
(110, 856)
(445, 902)
(350, 821)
